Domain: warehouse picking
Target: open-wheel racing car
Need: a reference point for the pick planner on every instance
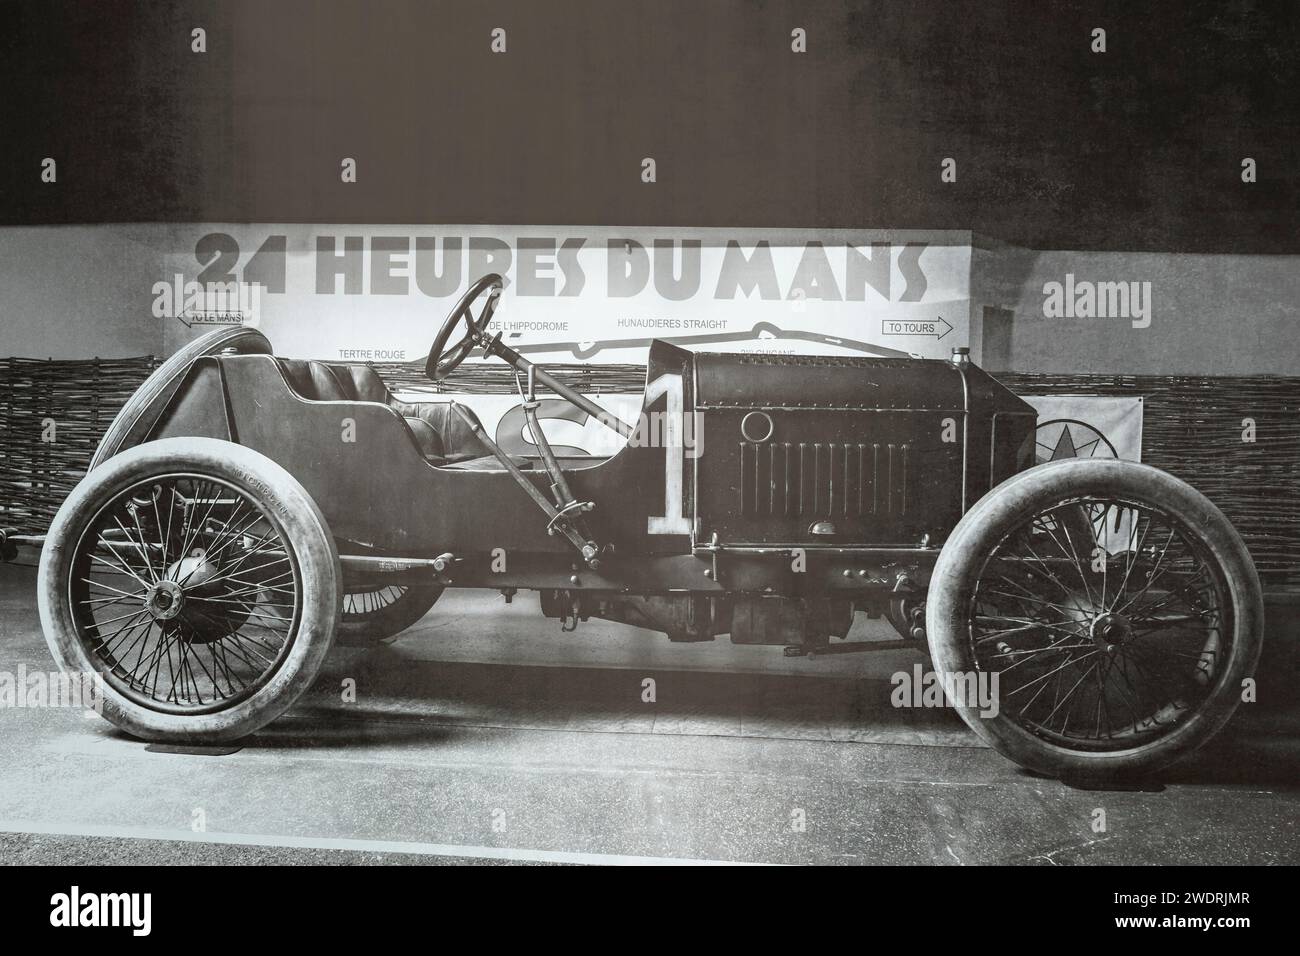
(245, 511)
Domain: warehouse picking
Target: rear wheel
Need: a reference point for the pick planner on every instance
(199, 580)
(378, 614)
(1117, 609)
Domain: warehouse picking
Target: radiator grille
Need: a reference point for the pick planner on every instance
(823, 479)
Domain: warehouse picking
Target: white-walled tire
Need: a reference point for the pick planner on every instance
(199, 580)
(1117, 606)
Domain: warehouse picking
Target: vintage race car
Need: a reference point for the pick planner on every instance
(244, 512)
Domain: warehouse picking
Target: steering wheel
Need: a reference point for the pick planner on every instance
(443, 359)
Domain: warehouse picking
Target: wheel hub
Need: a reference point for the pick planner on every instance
(1109, 630)
(193, 571)
(164, 600)
(196, 577)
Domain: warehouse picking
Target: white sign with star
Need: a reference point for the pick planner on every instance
(1088, 426)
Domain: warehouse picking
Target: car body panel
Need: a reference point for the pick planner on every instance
(858, 465)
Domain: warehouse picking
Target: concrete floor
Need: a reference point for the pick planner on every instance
(485, 735)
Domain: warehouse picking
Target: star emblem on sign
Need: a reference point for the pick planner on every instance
(1063, 438)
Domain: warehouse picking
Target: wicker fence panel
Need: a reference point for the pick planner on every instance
(52, 415)
(1192, 427)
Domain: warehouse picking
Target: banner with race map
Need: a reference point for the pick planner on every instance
(589, 293)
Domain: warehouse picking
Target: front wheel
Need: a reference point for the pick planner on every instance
(1094, 619)
(199, 581)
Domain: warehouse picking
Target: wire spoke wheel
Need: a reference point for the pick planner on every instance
(1104, 621)
(358, 605)
(199, 581)
(377, 613)
(1111, 609)
(186, 592)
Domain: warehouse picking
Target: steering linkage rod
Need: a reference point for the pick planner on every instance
(492, 345)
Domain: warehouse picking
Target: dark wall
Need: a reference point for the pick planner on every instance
(1216, 314)
(1138, 148)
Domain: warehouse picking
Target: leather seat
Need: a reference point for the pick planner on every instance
(442, 436)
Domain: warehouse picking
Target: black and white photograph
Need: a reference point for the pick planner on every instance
(651, 433)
